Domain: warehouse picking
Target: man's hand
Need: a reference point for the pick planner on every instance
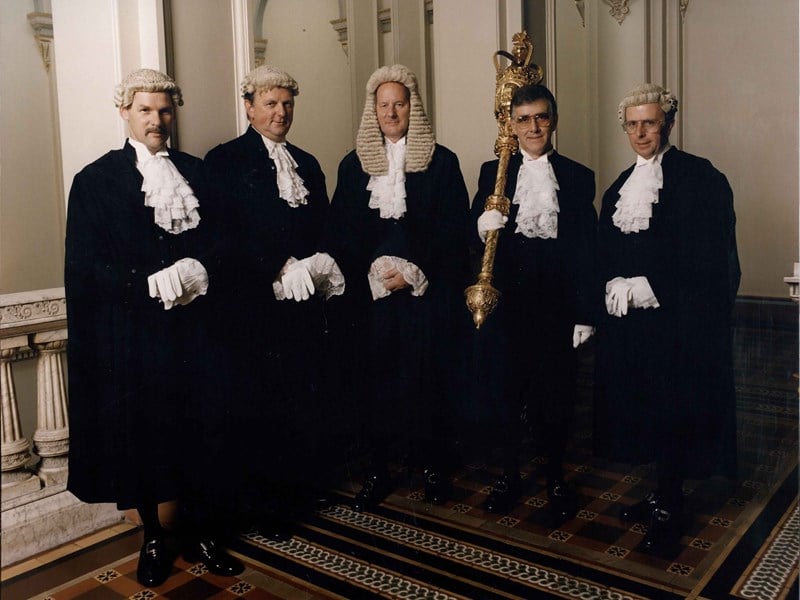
(490, 220)
(580, 334)
(618, 295)
(393, 280)
(297, 282)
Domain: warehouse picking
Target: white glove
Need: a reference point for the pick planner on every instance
(580, 334)
(297, 282)
(618, 295)
(490, 220)
(642, 293)
(179, 283)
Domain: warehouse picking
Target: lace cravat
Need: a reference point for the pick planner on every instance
(537, 197)
(389, 191)
(637, 196)
(168, 193)
(290, 185)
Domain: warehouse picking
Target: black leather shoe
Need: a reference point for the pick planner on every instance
(663, 532)
(505, 492)
(155, 563)
(563, 501)
(641, 511)
(437, 487)
(215, 558)
(376, 488)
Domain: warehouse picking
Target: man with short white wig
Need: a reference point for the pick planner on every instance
(139, 258)
(668, 262)
(276, 203)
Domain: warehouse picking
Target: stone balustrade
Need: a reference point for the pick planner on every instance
(37, 511)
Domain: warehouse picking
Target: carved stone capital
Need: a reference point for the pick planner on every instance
(260, 47)
(619, 9)
(340, 27)
(42, 25)
(684, 5)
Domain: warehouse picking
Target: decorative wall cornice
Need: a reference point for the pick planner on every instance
(620, 9)
(384, 22)
(42, 25)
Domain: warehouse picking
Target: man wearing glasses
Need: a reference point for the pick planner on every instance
(544, 267)
(667, 257)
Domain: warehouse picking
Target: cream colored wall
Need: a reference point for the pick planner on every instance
(467, 33)
(744, 117)
(735, 71)
(740, 109)
(31, 210)
(303, 43)
(203, 55)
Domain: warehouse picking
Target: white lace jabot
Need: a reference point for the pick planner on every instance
(166, 190)
(389, 191)
(290, 185)
(639, 193)
(537, 197)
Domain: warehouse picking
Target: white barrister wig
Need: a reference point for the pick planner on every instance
(146, 80)
(267, 77)
(649, 93)
(419, 138)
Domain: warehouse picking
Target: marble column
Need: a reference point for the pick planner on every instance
(14, 447)
(51, 438)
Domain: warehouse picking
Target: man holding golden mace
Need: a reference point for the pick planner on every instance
(545, 266)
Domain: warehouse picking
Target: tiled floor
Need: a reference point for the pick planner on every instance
(741, 534)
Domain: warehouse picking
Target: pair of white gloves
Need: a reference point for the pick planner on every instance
(179, 283)
(632, 292)
(301, 279)
(492, 220)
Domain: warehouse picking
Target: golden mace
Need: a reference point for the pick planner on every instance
(481, 297)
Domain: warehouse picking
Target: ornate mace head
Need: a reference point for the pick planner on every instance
(519, 72)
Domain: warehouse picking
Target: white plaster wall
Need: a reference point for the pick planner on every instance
(31, 211)
(303, 43)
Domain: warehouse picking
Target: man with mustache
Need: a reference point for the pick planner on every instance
(544, 267)
(139, 259)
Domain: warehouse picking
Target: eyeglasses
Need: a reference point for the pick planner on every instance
(541, 119)
(649, 126)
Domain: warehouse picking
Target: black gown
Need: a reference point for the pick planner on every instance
(524, 359)
(269, 349)
(664, 377)
(133, 367)
(403, 349)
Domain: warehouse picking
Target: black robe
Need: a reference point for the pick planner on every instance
(523, 352)
(664, 378)
(404, 348)
(132, 368)
(269, 348)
